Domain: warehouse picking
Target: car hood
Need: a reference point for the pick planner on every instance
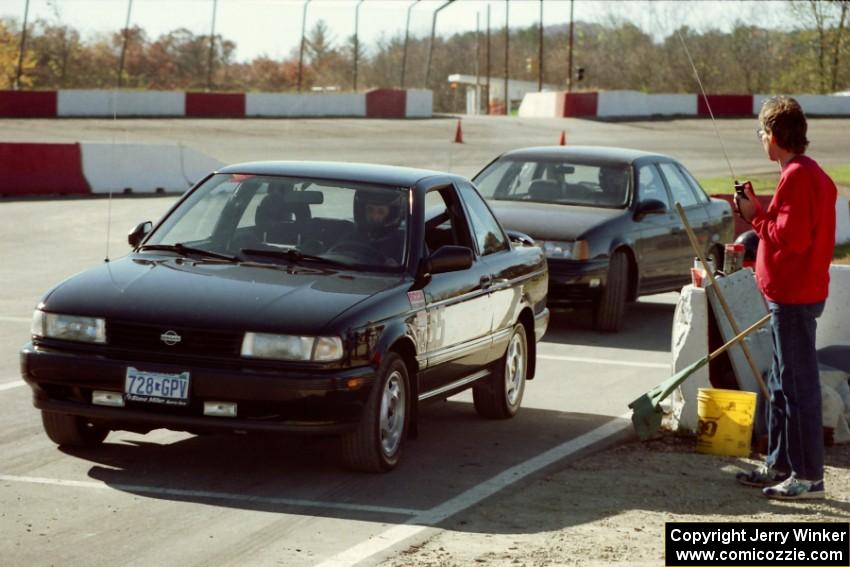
(547, 221)
(173, 291)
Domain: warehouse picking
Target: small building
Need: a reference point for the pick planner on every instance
(476, 92)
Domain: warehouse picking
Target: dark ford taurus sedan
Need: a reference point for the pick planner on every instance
(295, 297)
(606, 220)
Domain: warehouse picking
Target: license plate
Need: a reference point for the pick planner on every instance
(156, 387)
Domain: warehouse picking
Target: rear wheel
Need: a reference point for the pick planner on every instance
(72, 430)
(375, 445)
(609, 307)
(500, 395)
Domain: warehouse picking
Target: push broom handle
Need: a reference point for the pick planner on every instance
(726, 310)
(740, 336)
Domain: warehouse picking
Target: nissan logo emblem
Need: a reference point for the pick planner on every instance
(170, 338)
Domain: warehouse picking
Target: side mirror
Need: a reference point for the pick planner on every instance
(521, 238)
(650, 207)
(449, 259)
(138, 234)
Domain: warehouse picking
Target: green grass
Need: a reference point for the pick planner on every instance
(765, 183)
(841, 254)
(840, 174)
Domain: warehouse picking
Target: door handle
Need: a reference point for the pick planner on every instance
(486, 281)
(705, 224)
(675, 230)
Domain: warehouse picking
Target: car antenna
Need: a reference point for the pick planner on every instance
(707, 105)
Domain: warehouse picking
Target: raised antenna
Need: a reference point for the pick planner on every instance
(707, 105)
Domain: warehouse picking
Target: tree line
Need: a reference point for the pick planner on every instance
(812, 58)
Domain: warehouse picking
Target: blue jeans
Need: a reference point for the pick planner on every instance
(795, 424)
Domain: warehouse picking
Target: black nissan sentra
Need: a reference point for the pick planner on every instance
(295, 297)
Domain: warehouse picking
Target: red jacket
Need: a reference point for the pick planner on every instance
(797, 233)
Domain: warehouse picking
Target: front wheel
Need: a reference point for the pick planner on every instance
(500, 395)
(375, 446)
(71, 430)
(609, 307)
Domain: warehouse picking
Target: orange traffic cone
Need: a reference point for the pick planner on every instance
(458, 134)
(563, 141)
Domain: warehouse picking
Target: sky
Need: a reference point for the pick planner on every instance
(273, 27)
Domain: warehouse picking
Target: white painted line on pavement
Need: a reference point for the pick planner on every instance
(427, 519)
(605, 361)
(10, 385)
(209, 495)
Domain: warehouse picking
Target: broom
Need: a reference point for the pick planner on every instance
(646, 411)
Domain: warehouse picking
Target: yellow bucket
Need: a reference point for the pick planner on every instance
(725, 421)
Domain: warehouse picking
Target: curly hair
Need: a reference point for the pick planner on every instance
(783, 117)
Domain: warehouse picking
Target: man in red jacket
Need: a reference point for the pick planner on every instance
(797, 233)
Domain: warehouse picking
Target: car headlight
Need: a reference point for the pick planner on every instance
(290, 347)
(576, 250)
(68, 327)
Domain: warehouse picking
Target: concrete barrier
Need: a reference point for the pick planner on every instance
(28, 104)
(813, 105)
(120, 103)
(41, 169)
(842, 220)
(535, 105)
(143, 168)
(386, 103)
(305, 105)
(420, 103)
(834, 324)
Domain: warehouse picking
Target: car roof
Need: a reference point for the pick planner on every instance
(595, 154)
(339, 171)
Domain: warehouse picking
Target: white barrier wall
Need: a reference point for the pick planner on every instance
(842, 220)
(543, 105)
(672, 104)
(420, 104)
(635, 103)
(325, 104)
(813, 104)
(143, 168)
(120, 103)
(834, 324)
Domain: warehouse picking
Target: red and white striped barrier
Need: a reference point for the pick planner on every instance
(94, 167)
(379, 103)
(634, 104)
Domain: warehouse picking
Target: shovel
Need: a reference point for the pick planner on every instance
(646, 410)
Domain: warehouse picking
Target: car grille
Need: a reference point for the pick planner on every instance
(133, 336)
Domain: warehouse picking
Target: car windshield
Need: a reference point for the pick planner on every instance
(291, 220)
(556, 181)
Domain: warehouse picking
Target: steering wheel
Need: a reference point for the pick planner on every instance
(360, 250)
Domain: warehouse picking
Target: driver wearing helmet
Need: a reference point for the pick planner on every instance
(613, 181)
(378, 216)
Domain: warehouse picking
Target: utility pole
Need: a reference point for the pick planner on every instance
(406, 39)
(431, 45)
(570, 57)
(507, 41)
(540, 53)
(477, 62)
(356, 44)
(301, 50)
(17, 84)
(124, 45)
(488, 60)
(212, 47)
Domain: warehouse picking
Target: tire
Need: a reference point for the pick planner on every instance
(608, 310)
(375, 446)
(71, 430)
(500, 395)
